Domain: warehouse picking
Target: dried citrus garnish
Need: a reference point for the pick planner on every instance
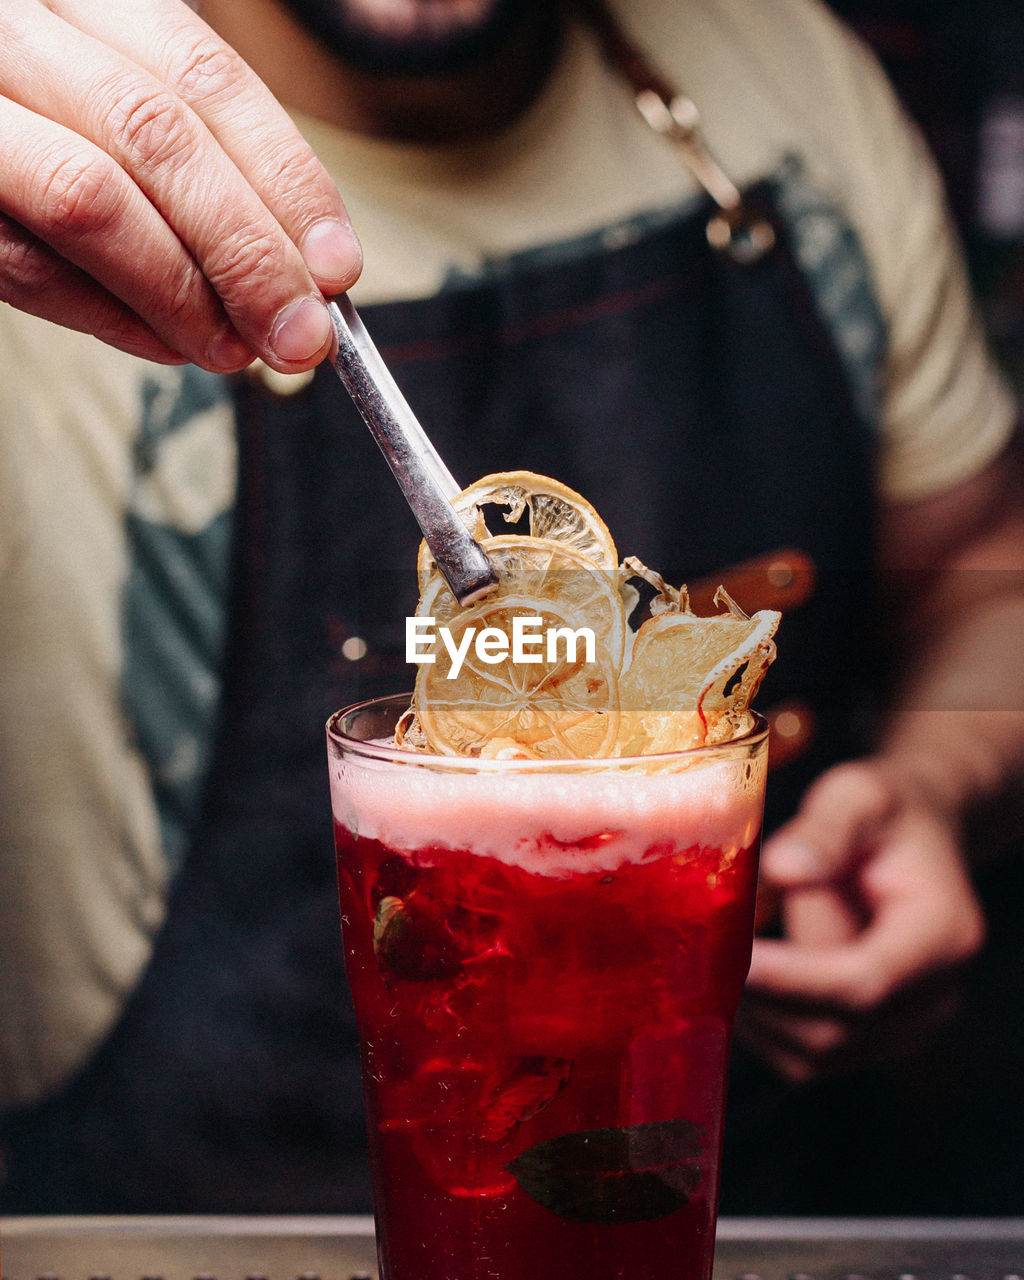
(677, 682)
(690, 680)
(559, 706)
(553, 510)
(548, 572)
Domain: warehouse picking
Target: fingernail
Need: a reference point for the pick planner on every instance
(301, 331)
(790, 858)
(331, 251)
(228, 351)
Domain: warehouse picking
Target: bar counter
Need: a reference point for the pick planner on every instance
(271, 1248)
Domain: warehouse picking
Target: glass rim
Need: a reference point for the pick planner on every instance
(754, 737)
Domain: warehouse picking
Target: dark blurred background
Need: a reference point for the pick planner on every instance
(958, 66)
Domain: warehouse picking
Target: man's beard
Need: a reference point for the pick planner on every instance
(426, 51)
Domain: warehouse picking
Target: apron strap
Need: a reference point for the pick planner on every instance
(735, 229)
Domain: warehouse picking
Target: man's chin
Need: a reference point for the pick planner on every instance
(423, 38)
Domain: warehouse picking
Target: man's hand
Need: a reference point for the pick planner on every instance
(877, 907)
(877, 911)
(153, 192)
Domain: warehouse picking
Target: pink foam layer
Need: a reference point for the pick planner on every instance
(552, 823)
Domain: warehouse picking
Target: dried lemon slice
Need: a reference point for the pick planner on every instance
(555, 512)
(690, 680)
(679, 681)
(561, 705)
(549, 573)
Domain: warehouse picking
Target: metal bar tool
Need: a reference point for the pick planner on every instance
(425, 481)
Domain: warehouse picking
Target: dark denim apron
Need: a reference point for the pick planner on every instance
(699, 404)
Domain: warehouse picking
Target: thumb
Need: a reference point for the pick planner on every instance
(837, 821)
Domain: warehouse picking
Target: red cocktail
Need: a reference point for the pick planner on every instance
(545, 958)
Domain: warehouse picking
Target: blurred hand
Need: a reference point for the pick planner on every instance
(154, 193)
(877, 913)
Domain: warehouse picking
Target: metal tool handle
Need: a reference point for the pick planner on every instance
(427, 483)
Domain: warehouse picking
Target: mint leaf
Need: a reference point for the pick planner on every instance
(528, 1086)
(614, 1175)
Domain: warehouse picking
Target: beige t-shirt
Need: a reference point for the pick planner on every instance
(94, 442)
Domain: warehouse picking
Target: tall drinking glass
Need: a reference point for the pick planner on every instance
(545, 959)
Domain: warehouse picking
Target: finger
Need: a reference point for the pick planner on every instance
(174, 159)
(820, 917)
(35, 279)
(791, 1066)
(842, 977)
(810, 1036)
(838, 818)
(183, 53)
(910, 935)
(801, 1048)
(919, 932)
(74, 198)
(905, 1027)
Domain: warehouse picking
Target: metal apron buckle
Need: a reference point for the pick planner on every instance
(734, 230)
